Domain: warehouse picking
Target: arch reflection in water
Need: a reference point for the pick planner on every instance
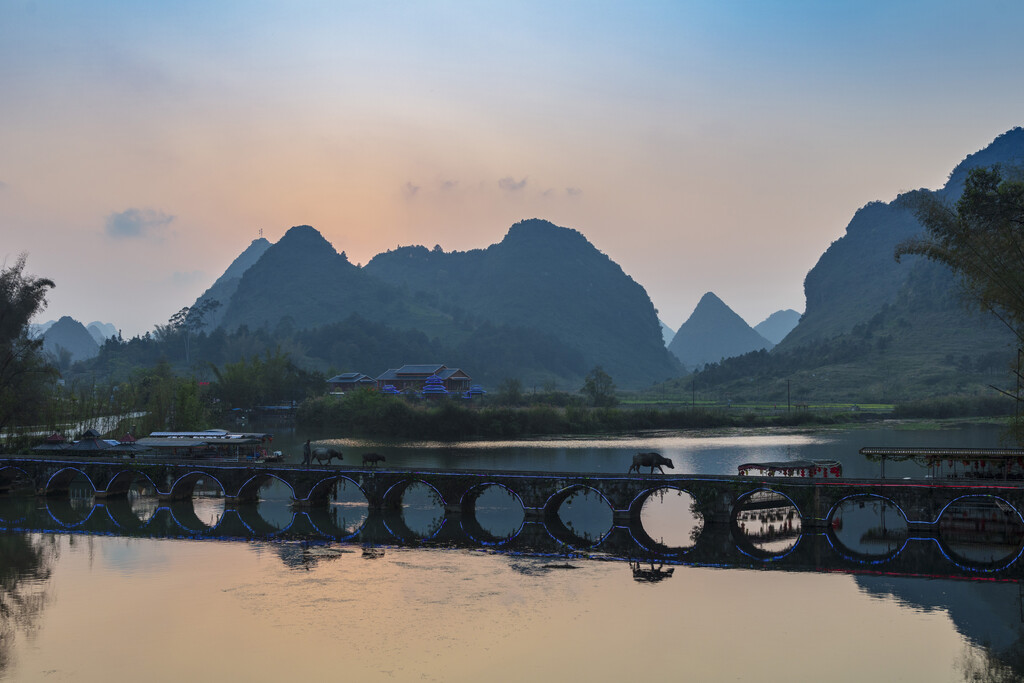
(422, 513)
(273, 505)
(868, 528)
(767, 524)
(668, 516)
(142, 499)
(77, 507)
(585, 516)
(347, 511)
(981, 532)
(495, 514)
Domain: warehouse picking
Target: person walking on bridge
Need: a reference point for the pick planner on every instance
(307, 454)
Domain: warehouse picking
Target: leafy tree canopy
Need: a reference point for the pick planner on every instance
(23, 369)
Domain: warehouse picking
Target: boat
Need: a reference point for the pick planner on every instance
(211, 444)
(793, 468)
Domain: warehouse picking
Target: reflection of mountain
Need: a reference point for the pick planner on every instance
(25, 566)
(986, 613)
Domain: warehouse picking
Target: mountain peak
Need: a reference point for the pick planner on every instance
(713, 332)
(537, 229)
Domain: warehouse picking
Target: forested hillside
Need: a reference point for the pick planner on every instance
(546, 278)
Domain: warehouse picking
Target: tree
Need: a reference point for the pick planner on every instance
(981, 238)
(599, 388)
(23, 370)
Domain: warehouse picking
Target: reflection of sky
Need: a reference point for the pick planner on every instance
(461, 615)
(696, 452)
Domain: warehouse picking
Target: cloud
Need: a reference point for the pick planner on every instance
(511, 185)
(3, 186)
(137, 223)
(410, 190)
(573, 191)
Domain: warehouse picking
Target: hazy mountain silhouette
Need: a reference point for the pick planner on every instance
(225, 286)
(67, 333)
(875, 330)
(775, 327)
(713, 332)
(858, 274)
(548, 278)
(101, 331)
(667, 333)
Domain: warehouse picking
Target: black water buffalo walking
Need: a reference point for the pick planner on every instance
(651, 460)
(373, 458)
(326, 453)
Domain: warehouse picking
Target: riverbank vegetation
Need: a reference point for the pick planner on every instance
(368, 413)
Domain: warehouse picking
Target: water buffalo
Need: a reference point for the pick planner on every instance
(651, 460)
(372, 458)
(325, 453)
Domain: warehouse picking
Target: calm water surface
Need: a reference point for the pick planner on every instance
(91, 607)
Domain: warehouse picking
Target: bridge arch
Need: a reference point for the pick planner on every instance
(320, 491)
(392, 498)
(986, 560)
(641, 534)
(184, 486)
(11, 474)
(745, 543)
(121, 482)
(562, 532)
(833, 532)
(60, 481)
(470, 521)
(250, 488)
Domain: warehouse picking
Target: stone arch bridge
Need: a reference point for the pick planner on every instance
(716, 497)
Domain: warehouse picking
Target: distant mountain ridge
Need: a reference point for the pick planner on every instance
(775, 327)
(875, 330)
(858, 273)
(713, 332)
(540, 277)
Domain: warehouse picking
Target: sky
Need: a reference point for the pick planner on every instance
(703, 146)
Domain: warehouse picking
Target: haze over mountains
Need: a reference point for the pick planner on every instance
(543, 303)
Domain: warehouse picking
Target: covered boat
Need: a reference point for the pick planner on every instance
(793, 468)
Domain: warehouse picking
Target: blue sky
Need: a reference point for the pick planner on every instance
(703, 146)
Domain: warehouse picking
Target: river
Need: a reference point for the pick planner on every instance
(87, 605)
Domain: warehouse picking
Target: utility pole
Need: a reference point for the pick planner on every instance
(788, 402)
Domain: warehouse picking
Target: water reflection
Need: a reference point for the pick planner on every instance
(422, 513)
(26, 563)
(768, 523)
(496, 514)
(670, 520)
(583, 519)
(869, 527)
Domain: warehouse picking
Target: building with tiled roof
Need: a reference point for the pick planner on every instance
(347, 381)
(414, 377)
